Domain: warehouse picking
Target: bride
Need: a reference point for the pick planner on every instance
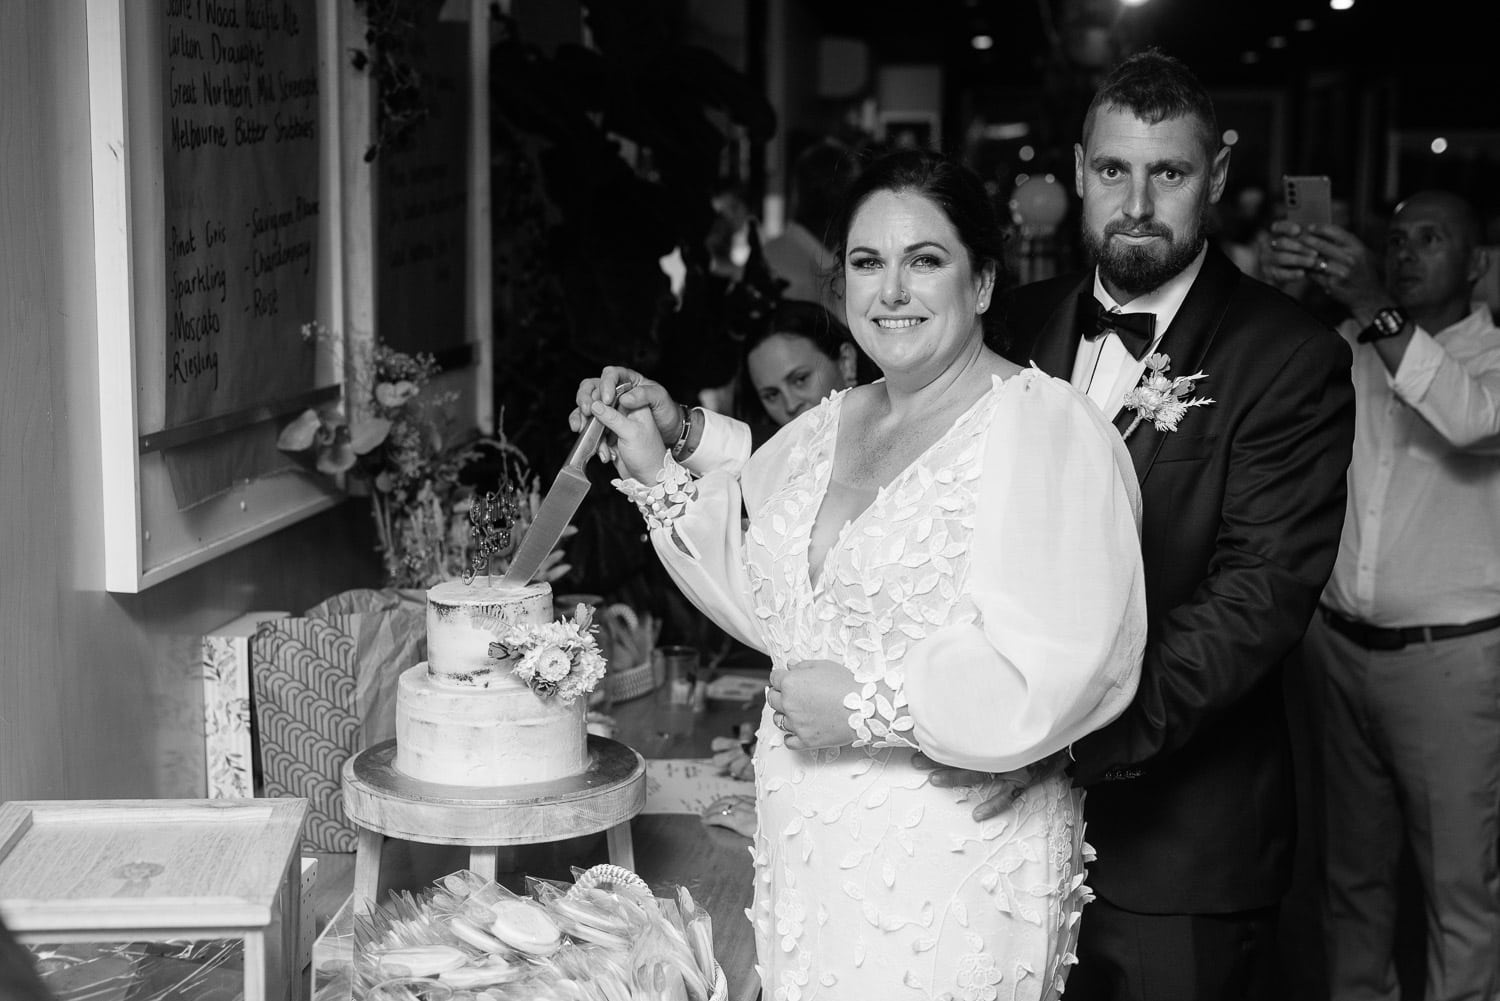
(945, 561)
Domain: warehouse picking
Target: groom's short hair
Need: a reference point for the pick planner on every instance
(1154, 87)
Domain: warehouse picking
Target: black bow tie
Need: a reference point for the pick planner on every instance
(1135, 330)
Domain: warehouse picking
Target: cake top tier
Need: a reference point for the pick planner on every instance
(485, 591)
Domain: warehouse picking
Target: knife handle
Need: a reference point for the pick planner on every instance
(593, 431)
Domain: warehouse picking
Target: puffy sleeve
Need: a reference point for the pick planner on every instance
(1053, 649)
(696, 526)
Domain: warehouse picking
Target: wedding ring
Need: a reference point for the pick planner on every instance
(780, 720)
(1322, 263)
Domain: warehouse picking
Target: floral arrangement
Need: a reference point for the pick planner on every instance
(1161, 400)
(396, 445)
(559, 658)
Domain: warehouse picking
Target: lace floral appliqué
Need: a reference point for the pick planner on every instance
(662, 502)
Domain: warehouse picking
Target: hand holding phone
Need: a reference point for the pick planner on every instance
(1308, 198)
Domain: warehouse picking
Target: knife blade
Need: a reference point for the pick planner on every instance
(559, 506)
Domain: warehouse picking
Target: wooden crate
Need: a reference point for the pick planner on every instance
(77, 871)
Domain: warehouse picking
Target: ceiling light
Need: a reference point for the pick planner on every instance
(1305, 24)
(982, 42)
(1440, 145)
(1276, 42)
(1230, 137)
(1249, 58)
(1340, 4)
(1026, 154)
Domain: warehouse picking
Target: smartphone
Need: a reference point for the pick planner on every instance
(1309, 199)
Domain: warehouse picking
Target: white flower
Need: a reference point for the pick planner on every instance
(1161, 400)
(549, 663)
(557, 658)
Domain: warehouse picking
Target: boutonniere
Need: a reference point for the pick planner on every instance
(1162, 400)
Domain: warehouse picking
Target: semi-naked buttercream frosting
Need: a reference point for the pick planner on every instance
(462, 717)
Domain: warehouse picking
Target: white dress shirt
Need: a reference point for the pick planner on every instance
(1104, 369)
(1421, 539)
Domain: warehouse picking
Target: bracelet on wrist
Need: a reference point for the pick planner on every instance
(680, 445)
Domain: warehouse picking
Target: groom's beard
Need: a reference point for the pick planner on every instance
(1138, 270)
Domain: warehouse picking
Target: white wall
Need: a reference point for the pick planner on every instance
(97, 692)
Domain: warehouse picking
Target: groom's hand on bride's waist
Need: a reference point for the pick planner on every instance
(999, 789)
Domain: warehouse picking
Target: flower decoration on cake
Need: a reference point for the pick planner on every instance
(557, 659)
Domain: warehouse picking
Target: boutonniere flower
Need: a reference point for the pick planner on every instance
(1161, 400)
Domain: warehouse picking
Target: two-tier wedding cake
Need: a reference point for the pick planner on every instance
(466, 717)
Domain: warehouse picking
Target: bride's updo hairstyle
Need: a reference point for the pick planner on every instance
(945, 182)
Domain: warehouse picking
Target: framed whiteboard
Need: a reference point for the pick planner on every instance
(186, 261)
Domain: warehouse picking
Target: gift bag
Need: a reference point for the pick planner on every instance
(325, 688)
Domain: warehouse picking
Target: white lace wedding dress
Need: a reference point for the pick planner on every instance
(989, 608)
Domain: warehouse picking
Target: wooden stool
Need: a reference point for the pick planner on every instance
(384, 803)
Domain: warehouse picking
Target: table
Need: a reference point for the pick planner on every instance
(382, 802)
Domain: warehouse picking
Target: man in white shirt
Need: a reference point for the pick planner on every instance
(1404, 659)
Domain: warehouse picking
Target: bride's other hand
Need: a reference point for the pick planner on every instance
(808, 702)
(641, 394)
(1006, 787)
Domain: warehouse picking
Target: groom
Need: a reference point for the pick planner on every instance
(1190, 800)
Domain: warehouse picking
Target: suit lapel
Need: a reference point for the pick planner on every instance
(1186, 343)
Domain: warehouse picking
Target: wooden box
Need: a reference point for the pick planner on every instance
(152, 871)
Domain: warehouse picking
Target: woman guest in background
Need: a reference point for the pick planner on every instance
(943, 561)
(796, 360)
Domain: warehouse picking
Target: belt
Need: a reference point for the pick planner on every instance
(1381, 638)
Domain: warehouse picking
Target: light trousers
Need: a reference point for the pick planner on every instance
(1410, 744)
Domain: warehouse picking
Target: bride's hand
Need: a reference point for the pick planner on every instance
(638, 451)
(1005, 787)
(808, 701)
(643, 393)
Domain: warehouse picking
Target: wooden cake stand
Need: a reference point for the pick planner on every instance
(384, 803)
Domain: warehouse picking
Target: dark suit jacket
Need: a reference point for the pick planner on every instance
(1190, 799)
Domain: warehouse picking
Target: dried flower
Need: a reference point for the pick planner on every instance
(392, 441)
(1159, 399)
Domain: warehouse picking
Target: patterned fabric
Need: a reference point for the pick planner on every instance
(304, 677)
(228, 748)
(869, 881)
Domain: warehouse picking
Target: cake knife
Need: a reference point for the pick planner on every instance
(559, 506)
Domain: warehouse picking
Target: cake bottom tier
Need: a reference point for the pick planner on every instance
(485, 736)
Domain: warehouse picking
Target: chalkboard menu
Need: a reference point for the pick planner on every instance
(240, 171)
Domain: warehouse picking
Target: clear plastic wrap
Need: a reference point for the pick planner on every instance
(605, 937)
(200, 970)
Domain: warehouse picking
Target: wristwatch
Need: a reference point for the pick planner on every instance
(1389, 322)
